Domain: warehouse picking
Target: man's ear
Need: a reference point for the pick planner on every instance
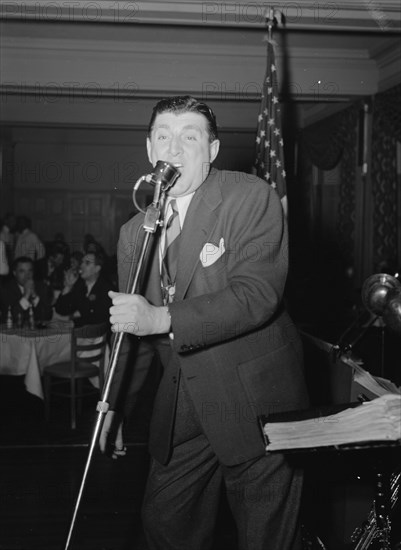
(149, 150)
(214, 149)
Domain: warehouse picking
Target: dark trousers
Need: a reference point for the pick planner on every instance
(182, 498)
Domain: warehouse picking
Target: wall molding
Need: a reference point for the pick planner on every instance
(100, 69)
(372, 15)
(54, 71)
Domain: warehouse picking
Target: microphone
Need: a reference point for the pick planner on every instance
(162, 178)
(164, 174)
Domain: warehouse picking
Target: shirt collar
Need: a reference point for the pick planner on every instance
(182, 205)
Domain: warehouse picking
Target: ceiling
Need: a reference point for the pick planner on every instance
(102, 63)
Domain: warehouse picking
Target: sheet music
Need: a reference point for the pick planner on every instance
(375, 384)
(376, 420)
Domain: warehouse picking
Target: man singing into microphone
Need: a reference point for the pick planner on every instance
(212, 311)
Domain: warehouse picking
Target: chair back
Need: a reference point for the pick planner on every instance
(88, 346)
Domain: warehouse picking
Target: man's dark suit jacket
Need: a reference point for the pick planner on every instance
(11, 294)
(234, 343)
(93, 308)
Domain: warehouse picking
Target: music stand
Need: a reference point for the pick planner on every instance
(377, 526)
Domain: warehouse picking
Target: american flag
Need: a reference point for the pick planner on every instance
(269, 161)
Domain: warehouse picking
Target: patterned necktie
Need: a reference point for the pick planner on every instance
(170, 256)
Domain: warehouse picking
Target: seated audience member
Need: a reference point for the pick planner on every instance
(4, 267)
(22, 292)
(28, 243)
(60, 242)
(5, 250)
(90, 244)
(8, 234)
(85, 295)
(51, 269)
(75, 261)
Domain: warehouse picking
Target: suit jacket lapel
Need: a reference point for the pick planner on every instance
(199, 223)
(149, 284)
(151, 287)
(18, 291)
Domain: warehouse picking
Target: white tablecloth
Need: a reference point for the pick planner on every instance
(26, 352)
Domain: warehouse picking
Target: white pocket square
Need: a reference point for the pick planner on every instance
(211, 253)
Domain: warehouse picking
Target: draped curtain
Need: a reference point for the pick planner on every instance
(327, 143)
(337, 139)
(324, 141)
(386, 131)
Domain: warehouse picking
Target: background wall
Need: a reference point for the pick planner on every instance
(77, 180)
(78, 82)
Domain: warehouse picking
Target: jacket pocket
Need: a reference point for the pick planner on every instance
(274, 382)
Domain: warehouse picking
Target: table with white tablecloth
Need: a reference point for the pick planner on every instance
(26, 352)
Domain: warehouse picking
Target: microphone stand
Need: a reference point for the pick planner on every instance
(349, 347)
(167, 177)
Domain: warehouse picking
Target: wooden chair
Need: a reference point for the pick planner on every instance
(88, 349)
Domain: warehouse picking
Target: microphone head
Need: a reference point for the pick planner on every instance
(392, 310)
(164, 174)
(375, 290)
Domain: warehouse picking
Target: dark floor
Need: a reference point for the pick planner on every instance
(42, 465)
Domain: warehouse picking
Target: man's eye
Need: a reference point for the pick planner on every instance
(162, 137)
(190, 137)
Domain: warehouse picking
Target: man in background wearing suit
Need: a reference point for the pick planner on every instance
(228, 348)
(22, 292)
(84, 296)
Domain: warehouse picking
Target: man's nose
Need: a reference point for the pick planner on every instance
(175, 146)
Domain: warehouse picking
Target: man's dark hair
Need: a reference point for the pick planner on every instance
(98, 257)
(185, 104)
(22, 260)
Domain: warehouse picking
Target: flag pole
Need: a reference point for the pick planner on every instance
(273, 18)
(269, 16)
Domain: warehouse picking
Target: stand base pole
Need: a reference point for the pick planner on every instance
(103, 405)
(93, 443)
